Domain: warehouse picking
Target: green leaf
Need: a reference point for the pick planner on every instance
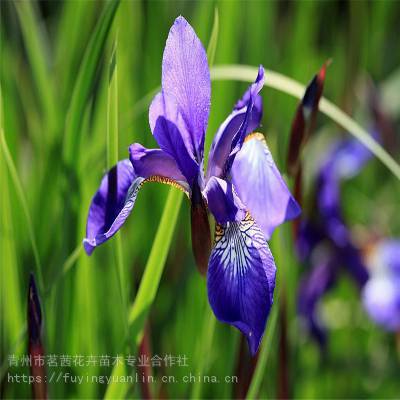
(112, 159)
(264, 353)
(246, 73)
(84, 82)
(38, 54)
(150, 282)
(212, 44)
(205, 345)
(24, 204)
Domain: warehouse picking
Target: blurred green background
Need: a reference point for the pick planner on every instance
(60, 99)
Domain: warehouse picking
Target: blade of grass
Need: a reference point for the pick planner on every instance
(149, 284)
(112, 159)
(263, 357)
(19, 345)
(84, 82)
(212, 44)
(21, 197)
(38, 54)
(10, 295)
(205, 345)
(287, 85)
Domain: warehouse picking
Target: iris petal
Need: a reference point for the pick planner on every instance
(111, 204)
(186, 77)
(222, 201)
(150, 162)
(222, 143)
(171, 133)
(241, 278)
(261, 187)
(114, 200)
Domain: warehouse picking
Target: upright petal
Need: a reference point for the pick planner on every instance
(222, 201)
(170, 131)
(261, 187)
(241, 278)
(185, 76)
(222, 143)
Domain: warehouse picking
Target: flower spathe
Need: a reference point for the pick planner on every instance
(242, 187)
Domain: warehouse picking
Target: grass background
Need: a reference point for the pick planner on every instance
(68, 112)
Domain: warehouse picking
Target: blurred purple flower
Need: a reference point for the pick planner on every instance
(242, 187)
(324, 240)
(381, 294)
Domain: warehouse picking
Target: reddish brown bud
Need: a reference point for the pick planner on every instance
(35, 347)
(201, 235)
(304, 120)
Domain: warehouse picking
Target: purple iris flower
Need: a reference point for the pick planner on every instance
(324, 240)
(381, 294)
(242, 187)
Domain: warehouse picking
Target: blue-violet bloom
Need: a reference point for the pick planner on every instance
(242, 187)
(324, 240)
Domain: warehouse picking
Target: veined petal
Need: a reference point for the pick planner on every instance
(170, 131)
(222, 201)
(261, 187)
(222, 143)
(186, 77)
(241, 278)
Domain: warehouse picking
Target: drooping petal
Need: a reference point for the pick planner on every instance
(186, 77)
(222, 143)
(170, 131)
(222, 201)
(304, 119)
(112, 204)
(261, 187)
(114, 200)
(241, 278)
